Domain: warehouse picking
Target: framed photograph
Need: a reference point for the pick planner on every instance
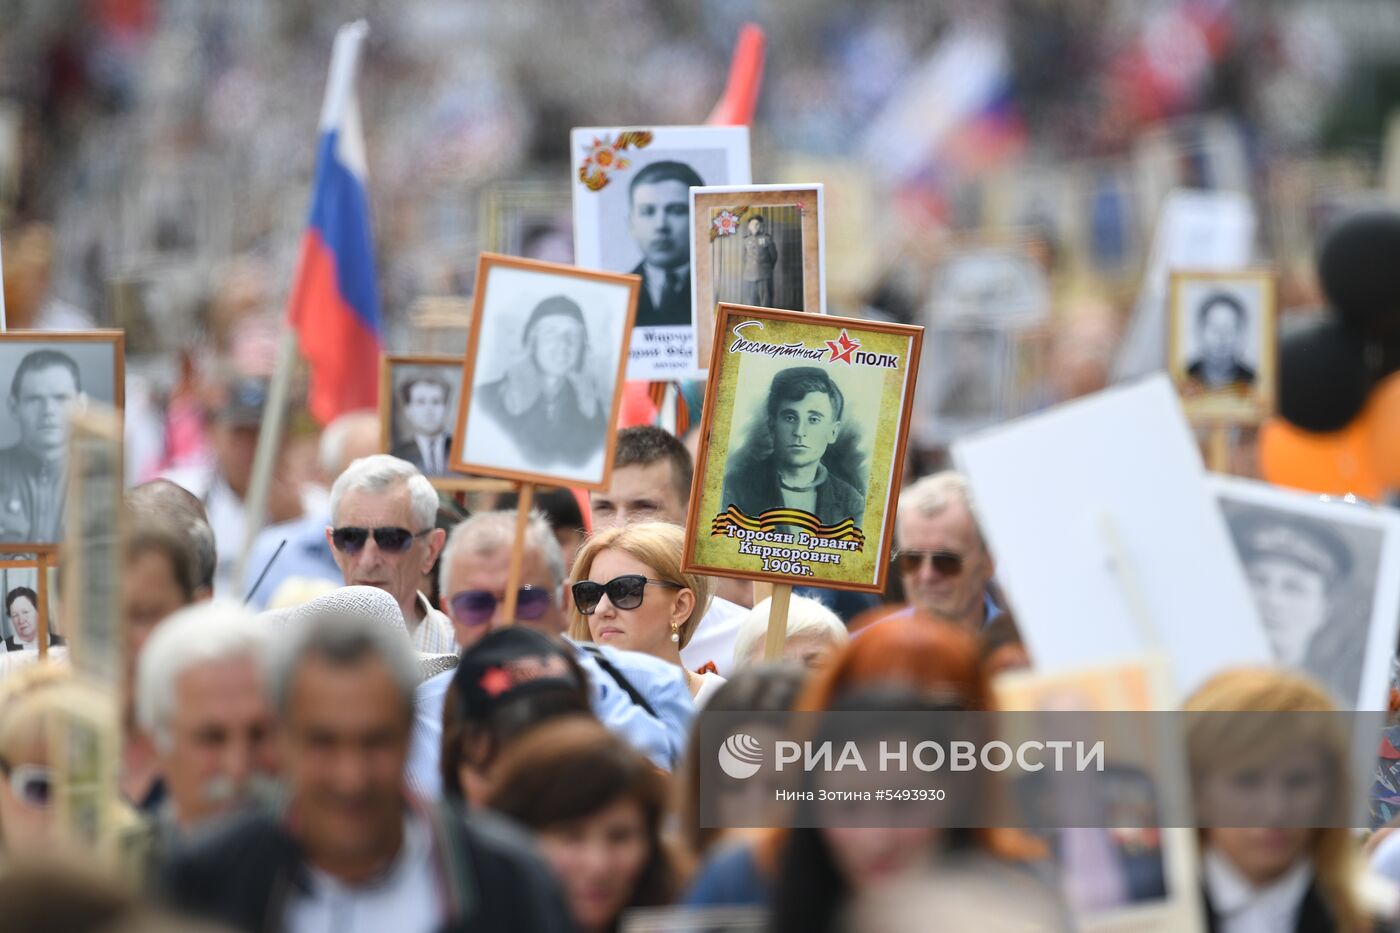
(530, 220)
(1325, 576)
(966, 383)
(417, 406)
(1222, 343)
(1122, 870)
(632, 214)
(806, 418)
(45, 376)
(763, 246)
(27, 626)
(542, 379)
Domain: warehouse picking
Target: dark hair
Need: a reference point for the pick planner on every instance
(646, 444)
(757, 217)
(665, 171)
(794, 384)
(406, 390)
(179, 509)
(484, 739)
(16, 593)
(558, 505)
(572, 769)
(44, 359)
(150, 534)
(1221, 298)
(758, 688)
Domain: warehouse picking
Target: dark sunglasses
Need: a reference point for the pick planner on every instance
(946, 563)
(351, 540)
(624, 592)
(476, 607)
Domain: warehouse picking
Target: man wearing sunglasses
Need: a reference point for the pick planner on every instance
(939, 553)
(383, 534)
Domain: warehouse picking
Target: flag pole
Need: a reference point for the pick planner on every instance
(340, 84)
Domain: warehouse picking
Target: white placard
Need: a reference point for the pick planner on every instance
(1108, 542)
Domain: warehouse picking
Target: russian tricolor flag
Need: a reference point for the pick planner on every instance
(335, 298)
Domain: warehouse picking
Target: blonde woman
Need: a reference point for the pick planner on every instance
(1278, 876)
(629, 593)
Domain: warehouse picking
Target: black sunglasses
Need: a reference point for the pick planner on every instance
(946, 563)
(624, 592)
(476, 607)
(351, 540)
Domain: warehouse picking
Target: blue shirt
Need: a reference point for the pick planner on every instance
(661, 738)
(307, 556)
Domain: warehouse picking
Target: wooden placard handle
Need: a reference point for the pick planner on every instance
(1218, 447)
(777, 622)
(517, 550)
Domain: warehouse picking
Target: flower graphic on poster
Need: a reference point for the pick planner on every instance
(604, 156)
(726, 222)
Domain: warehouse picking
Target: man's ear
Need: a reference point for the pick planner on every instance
(437, 540)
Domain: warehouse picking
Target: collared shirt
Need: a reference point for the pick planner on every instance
(306, 556)
(433, 450)
(1243, 908)
(662, 738)
(406, 898)
(656, 280)
(32, 493)
(434, 634)
(713, 639)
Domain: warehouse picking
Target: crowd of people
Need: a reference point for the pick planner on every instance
(383, 748)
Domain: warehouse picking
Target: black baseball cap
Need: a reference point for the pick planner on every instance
(509, 663)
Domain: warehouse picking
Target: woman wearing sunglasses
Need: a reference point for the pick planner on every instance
(629, 592)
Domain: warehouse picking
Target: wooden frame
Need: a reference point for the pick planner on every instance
(486, 264)
(886, 440)
(117, 339)
(706, 206)
(42, 560)
(1227, 405)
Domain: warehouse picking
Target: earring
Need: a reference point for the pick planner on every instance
(675, 633)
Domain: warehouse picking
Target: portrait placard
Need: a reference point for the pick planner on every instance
(542, 379)
(1222, 344)
(632, 214)
(28, 625)
(417, 405)
(967, 381)
(1325, 576)
(1001, 284)
(47, 375)
(1122, 870)
(92, 550)
(530, 220)
(762, 245)
(805, 423)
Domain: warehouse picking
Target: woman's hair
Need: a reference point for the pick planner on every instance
(1247, 740)
(758, 688)
(484, 739)
(30, 696)
(574, 768)
(16, 593)
(659, 545)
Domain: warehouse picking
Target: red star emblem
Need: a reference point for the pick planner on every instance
(842, 348)
(496, 681)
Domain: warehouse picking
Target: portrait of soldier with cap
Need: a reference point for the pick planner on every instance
(547, 402)
(1299, 570)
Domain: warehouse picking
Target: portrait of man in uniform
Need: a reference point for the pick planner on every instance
(760, 258)
(796, 456)
(33, 470)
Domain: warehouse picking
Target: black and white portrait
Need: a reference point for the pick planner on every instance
(1223, 341)
(529, 219)
(634, 217)
(801, 449)
(760, 264)
(1316, 584)
(964, 382)
(421, 410)
(545, 370)
(44, 378)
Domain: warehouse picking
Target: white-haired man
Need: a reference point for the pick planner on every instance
(814, 633)
(383, 534)
(297, 550)
(199, 696)
(643, 699)
(355, 849)
(943, 562)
